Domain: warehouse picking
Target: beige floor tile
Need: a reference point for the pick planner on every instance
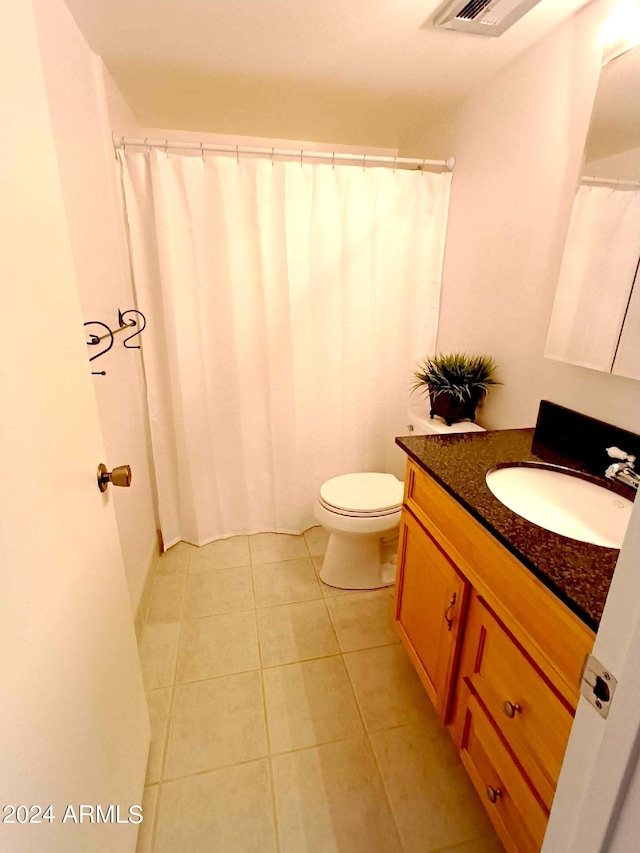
(158, 703)
(310, 703)
(219, 591)
(317, 540)
(327, 591)
(363, 619)
(215, 724)
(165, 604)
(226, 811)
(145, 830)
(217, 645)
(434, 803)
(295, 632)
(285, 582)
(158, 651)
(275, 547)
(222, 554)
(330, 800)
(175, 561)
(387, 688)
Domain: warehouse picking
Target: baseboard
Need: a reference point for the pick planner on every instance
(143, 604)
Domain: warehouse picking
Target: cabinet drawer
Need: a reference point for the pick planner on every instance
(531, 715)
(517, 815)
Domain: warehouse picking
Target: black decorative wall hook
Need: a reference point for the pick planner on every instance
(133, 322)
(123, 324)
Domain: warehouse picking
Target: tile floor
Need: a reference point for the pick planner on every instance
(286, 716)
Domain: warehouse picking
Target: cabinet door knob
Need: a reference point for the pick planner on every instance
(446, 612)
(511, 709)
(120, 476)
(493, 794)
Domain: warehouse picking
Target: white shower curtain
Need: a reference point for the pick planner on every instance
(286, 308)
(598, 266)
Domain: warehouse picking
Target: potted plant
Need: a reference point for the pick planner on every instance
(455, 383)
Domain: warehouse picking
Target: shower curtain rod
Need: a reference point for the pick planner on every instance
(611, 182)
(364, 159)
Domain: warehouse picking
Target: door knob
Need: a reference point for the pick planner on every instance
(493, 794)
(120, 476)
(511, 709)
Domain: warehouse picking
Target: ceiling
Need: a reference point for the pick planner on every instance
(380, 49)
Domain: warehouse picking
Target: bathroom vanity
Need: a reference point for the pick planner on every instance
(497, 616)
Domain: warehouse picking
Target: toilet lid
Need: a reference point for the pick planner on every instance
(363, 493)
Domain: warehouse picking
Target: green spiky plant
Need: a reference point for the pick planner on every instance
(455, 383)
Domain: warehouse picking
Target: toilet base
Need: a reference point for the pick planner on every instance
(359, 562)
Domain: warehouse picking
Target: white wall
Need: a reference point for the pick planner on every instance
(73, 77)
(622, 166)
(276, 108)
(518, 158)
(121, 120)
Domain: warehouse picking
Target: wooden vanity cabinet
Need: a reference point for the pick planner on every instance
(499, 655)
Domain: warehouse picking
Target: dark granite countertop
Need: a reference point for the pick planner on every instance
(578, 573)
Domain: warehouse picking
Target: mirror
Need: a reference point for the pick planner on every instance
(595, 320)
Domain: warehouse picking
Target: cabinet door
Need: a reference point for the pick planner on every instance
(430, 601)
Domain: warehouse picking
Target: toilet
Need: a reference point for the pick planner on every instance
(361, 513)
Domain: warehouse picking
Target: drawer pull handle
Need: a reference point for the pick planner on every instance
(511, 709)
(446, 612)
(493, 794)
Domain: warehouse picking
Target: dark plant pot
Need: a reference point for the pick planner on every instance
(451, 409)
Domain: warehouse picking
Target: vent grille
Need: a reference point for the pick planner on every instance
(473, 9)
(482, 17)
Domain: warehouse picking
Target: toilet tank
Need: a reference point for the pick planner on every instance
(419, 423)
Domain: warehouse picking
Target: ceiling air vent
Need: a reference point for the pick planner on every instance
(482, 17)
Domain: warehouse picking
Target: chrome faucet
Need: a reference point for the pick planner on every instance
(623, 470)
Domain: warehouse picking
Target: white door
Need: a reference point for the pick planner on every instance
(73, 721)
(596, 803)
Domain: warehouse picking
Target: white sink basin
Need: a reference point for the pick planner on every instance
(563, 503)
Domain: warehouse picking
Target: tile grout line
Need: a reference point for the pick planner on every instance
(274, 809)
(262, 668)
(361, 714)
(375, 759)
(348, 651)
(152, 840)
(188, 573)
(308, 748)
(157, 805)
(169, 714)
(160, 578)
(335, 654)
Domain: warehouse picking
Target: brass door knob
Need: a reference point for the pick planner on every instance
(493, 794)
(120, 476)
(511, 709)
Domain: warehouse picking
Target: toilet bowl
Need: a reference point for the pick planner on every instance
(361, 513)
